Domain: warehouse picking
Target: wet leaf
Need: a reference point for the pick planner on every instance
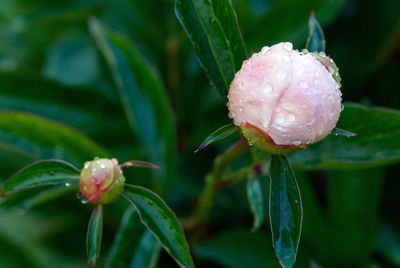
(256, 195)
(126, 240)
(219, 134)
(41, 173)
(212, 27)
(147, 253)
(94, 234)
(285, 210)
(161, 221)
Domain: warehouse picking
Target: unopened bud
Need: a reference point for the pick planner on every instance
(285, 100)
(101, 181)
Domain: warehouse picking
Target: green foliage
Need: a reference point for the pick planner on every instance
(94, 234)
(162, 222)
(129, 86)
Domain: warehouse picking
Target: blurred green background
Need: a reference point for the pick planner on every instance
(59, 98)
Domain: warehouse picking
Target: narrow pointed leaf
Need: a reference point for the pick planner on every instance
(126, 240)
(147, 253)
(138, 163)
(212, 27)
(378, 143)
(285, 210)
(219, 134)
(342, 132)
(161, 221)
(256, 196)
(28, 198)
(316, 38)
(41, 173)
(33, 137)
(94, 234)
(142, 96)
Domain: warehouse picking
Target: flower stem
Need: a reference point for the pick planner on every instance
(214, 181)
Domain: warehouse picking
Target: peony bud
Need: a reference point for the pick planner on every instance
(101, 181)
(284, 100)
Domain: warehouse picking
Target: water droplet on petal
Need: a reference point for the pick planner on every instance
(264, 50)
(322, 54)
(291, 117)
(102, 166)
(267, 89)
(296, 142)
(86, 165)
(287, 46)
(341, 107)
(281, 75)
(241, 109)
(286, 59)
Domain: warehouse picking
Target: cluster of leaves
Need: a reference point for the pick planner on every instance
(72, 88)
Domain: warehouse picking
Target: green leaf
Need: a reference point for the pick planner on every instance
(94, 234)
(285, 210)
(316, 39)
(147, 253)
(256, 196)
(388, 244)
(378, 143)
(26, 199)
(354, 199)
(239, 249)
(35, 137)
(142, 95)
(213, 29)
(126, 240)
(219, 134)
(41, 173)
(161, 221)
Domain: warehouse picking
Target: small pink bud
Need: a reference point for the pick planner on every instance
(285, 100)
(101, 181)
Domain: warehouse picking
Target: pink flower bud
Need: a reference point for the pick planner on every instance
(285, 100)
(101, 181)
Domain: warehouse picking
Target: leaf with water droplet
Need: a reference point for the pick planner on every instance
(40, 173)
(316, 38)
(285, 210)
(161, 221)
(94, 234)
(219, 134)
(342, 132)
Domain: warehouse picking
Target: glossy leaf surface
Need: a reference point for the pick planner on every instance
(41, 173)
(256, 195)
(316, 38)
(141, 92)
(147, 252)
(220, 133)
(285, 210)
(212, 27)
(94, 234)
(161, 221)
(378, 143)
(126, 240)
(32, 137)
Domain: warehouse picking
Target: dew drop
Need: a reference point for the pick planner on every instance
(331, 70)
(291, 117)
(341, 107)
(296, 143)
(287, 46)
(281, 75)
(240, 100)
(267, 89)
(286, 59)
(322, 54)
(84, 200)
(84, 188)
(264, 50)
(67, 184)
(96, 158)
(102, 166)
(86, 165)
